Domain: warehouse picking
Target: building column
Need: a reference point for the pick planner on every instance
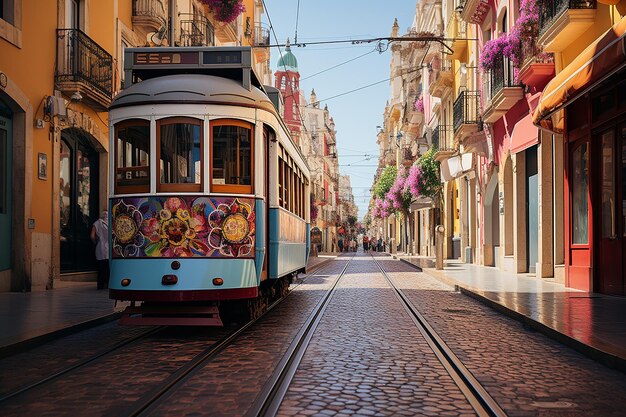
(464, 217)
(519, 212)
(558, 203)
(545, 264)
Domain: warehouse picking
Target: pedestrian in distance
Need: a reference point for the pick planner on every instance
(100, 237)
(340, 244)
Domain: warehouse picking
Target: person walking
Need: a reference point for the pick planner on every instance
(100, 237)
(340, 243)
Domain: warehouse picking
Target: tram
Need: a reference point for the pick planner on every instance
(208, 209)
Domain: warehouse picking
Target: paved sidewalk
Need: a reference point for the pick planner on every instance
(31, 318)
(594, 324)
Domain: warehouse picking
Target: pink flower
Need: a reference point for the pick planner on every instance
(419, 105)
(412, 182)
(225, 10)
(173, 204)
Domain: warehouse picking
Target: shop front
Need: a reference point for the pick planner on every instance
(587, 102)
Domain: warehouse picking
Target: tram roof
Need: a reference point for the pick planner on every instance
(192, 88)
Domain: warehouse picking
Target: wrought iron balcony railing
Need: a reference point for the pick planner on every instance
(501, 76)
(196, 30)
(466, 109)
(261, 35)
(550, 10)
(442, 137)
(532, 53)
(155, 9)
(83, 65)
(434, 137)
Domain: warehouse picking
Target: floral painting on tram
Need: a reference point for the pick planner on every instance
(168, 227)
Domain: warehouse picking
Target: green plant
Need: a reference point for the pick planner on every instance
(384, 184)
(430, 179)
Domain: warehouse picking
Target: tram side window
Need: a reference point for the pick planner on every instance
(179, 147)
(132, 159)
(232, 149)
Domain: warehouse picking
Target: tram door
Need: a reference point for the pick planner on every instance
(78, 202)
(5, 193)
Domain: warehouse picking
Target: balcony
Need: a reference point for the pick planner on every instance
(195, 30)
(561, 22)
(406, 157)
(442, 139)
(466, 115)
(441, 76)
(500, 91)
(260, 39)
(261, 36)
(149, 15)
(434, 137)
(538, 67)
(473, 11)
(83, 66)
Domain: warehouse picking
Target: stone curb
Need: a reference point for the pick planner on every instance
(24, 345)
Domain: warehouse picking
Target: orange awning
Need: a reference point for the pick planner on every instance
(525, 134)
(598, 61)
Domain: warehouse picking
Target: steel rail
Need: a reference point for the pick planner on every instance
(152, 399)
(476, 394)
(80, 364)
(270, 398)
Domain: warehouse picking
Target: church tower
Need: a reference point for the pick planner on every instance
(287, 80)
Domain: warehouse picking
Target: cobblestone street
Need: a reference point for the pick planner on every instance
(366, 357)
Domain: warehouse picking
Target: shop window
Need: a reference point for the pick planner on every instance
(232, 150)
(132, 157)
(580, 190)
(179, 148)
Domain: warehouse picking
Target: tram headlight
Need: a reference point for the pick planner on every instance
(125, 282)
(218, 281)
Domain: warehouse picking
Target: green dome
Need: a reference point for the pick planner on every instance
(288, 61)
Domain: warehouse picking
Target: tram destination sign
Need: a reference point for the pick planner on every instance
(148, 62)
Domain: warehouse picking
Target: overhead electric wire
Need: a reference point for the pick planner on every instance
(338, 65)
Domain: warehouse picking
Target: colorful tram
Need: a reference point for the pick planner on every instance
(208, 203)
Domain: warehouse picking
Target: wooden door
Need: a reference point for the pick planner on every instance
(609, 277)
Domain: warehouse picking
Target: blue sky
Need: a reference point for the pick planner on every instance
(356, 114)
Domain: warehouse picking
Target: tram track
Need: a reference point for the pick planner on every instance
(80, 364)
(153, 399)
(476, 394)
(269, 400)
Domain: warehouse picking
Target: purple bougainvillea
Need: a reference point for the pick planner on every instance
(225, 10)
(419, 105)
(412, 182)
